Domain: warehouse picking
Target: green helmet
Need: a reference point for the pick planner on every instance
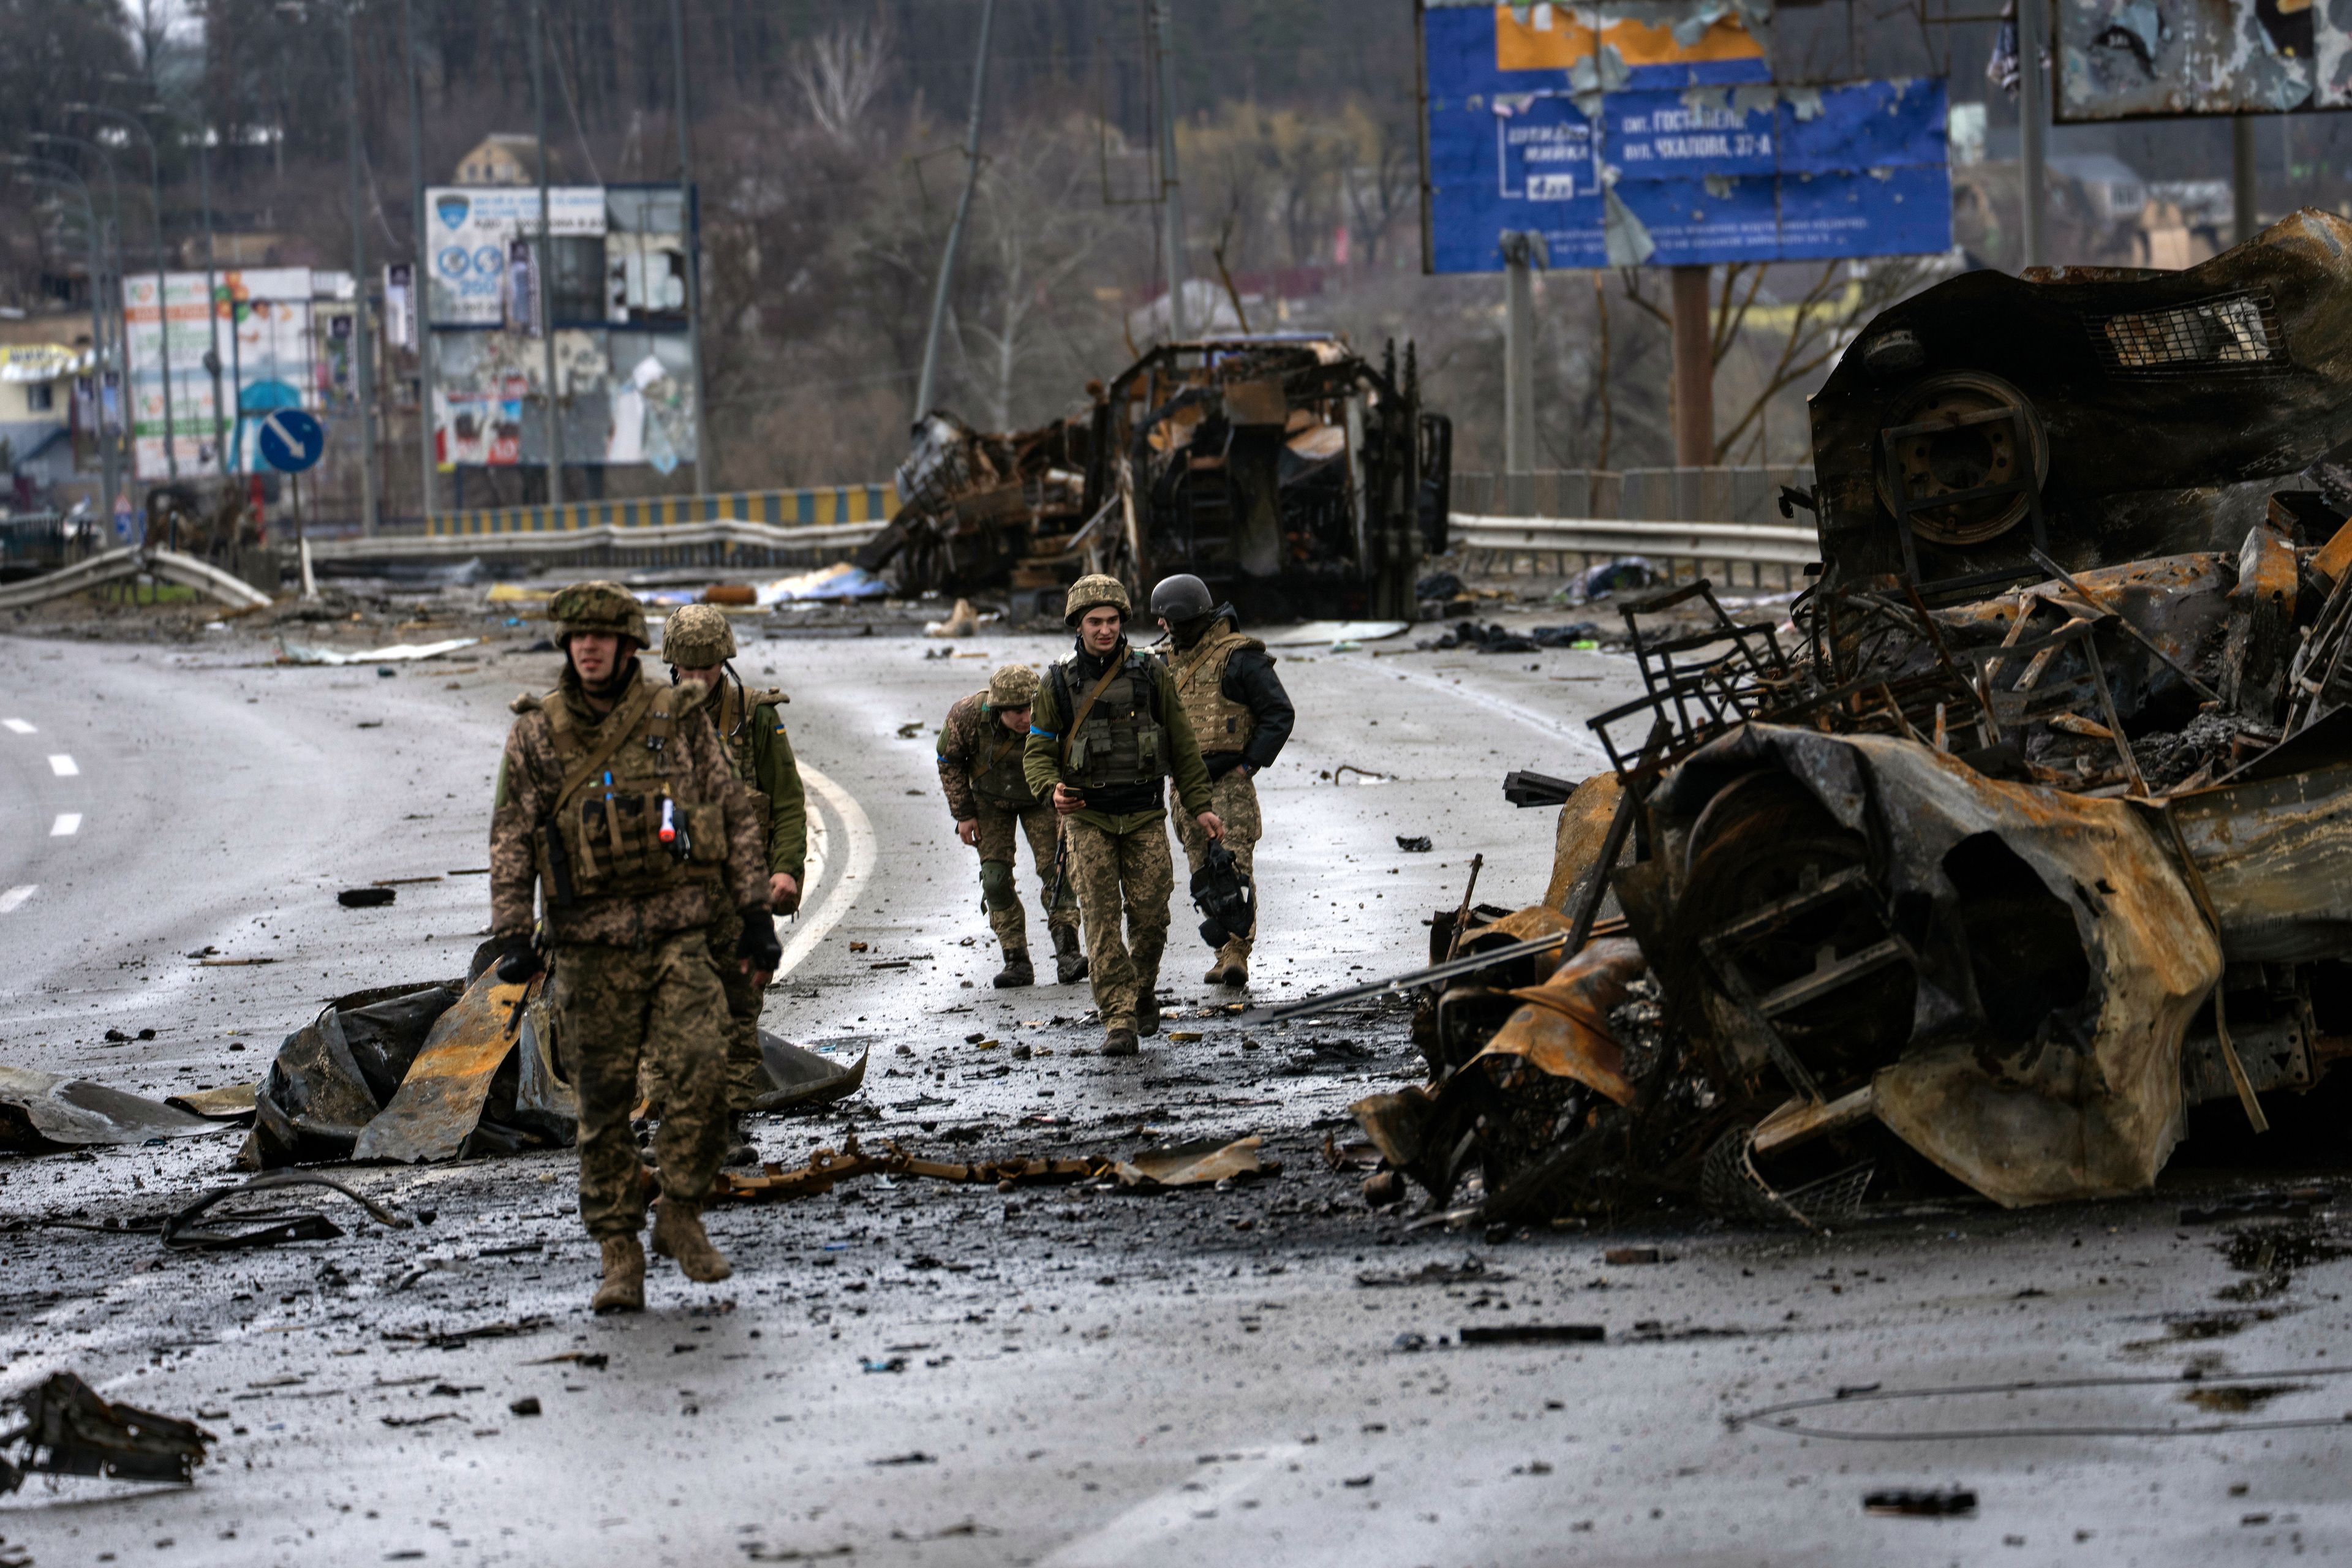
(597, 606)
(1093, 592)
(1015, 686)
(697, 637)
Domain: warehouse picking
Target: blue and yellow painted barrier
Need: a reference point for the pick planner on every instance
(822, 507)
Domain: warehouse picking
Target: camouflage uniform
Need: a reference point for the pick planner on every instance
(1134, 735)
(982, 774)
(632, 973)
(1242, 717)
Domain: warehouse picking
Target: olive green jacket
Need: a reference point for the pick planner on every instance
(1042, 761)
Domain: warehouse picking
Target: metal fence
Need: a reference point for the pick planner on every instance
(723, 545)
(42, 540)
(1773, 555)
(1650, 495)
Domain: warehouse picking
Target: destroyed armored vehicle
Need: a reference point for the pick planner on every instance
(1293, 475)
(2030, 830)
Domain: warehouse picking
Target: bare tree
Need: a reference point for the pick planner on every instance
(839, 73)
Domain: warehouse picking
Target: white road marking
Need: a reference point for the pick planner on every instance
(15, 896)
(63, 765)
(811, 930)
(17, 727)
(67, 824)
(1153, 1531)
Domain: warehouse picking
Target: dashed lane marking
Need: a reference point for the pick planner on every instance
(15, 896)
(63, 765)
(17, 727)
(67, 824)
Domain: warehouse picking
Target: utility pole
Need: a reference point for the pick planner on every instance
(163, 303)
(1522, 253)
(923, 386)
(212, 297)
(1171, 191)
(543, 283)
(2245, 222)
(1694, 369)
(91, 232)
(705, 457)
(424, 285)
(362, 351)
(2034, 126)
(123, 451)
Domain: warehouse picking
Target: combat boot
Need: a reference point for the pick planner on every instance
(1016, 971)
(740, 1150)
(679, 1233)
(1147, 1008)
(1120, 1043)
(1231, 969)
(1069, 958)
(623, 1286)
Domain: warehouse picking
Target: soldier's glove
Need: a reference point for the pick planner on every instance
(1223, 892)
(519, 959)
(758, 945)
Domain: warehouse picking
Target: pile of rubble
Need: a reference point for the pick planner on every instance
(2030, 830)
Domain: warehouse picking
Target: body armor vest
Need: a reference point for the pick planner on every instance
(624, 830)
(996, 775)
(1122, 742)
(735, 712)
(1219, 723)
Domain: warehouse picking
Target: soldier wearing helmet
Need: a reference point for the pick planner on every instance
(1106, 729)
(1240, 714)
(697, 644)
(619, 819)
(981, 771)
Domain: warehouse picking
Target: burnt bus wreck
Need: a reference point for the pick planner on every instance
(1293, 475)
(2028, 831)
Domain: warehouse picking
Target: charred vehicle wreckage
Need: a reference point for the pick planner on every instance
(1292, 474)
(2028, 831)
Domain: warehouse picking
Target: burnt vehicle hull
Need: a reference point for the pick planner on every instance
(1293, 475)
(2036, 833)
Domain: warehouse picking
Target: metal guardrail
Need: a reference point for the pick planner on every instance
(818, 506)
(131, 560)
(1755, 545)
(726, 533)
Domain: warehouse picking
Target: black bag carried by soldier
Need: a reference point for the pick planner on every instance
(1223, 892)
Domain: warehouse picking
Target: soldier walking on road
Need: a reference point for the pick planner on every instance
(981, 768)
(1240, 715)
(1106, 729)
(615, 801)
(696, 643)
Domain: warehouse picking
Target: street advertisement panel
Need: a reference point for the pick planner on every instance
(2119, 59)
(469, 230)
(263, 321)
(625, 397)
(1632, 134)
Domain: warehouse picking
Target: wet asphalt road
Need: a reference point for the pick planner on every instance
(915, 1373)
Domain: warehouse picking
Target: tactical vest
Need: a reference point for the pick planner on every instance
(996, 775)
(1219, 723)
(612, 816)
(737, 715)
(1122, 741)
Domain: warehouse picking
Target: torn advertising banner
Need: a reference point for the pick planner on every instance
(267, 361)
(468, 229)
(1635, 133)
(2125, 58)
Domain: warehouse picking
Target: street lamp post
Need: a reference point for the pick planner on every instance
(125, 451)
(423, 287)
(163, 306)
(543, 272)
(364, 370)
(90, 231)
(706, 459)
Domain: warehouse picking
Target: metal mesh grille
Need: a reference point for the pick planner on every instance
(2230, 331)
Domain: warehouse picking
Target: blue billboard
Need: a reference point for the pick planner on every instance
(1624, 142)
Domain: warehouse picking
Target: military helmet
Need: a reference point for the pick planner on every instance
(697, 637)
(597, 606)
(1092, 591)
(1015, 686)
(1181, 598)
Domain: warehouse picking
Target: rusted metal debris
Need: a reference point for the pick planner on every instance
(66, 1429)
(42, 1111)
(1176, 1165)
(1292, 474)
(2030, 830)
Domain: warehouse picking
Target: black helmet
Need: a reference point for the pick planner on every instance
(1181, 598)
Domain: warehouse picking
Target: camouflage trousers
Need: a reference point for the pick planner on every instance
(619, 1006)
(1130, 873)
(747, 1070)
(1000, 893)
(1234, 797)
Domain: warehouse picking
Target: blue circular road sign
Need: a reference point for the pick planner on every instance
(291, 440)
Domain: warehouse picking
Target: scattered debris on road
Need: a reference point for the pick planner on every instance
(41, 1112)
(1178, 1165)
(68, 1430)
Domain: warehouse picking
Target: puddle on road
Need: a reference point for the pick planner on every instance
(2237, 1399)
